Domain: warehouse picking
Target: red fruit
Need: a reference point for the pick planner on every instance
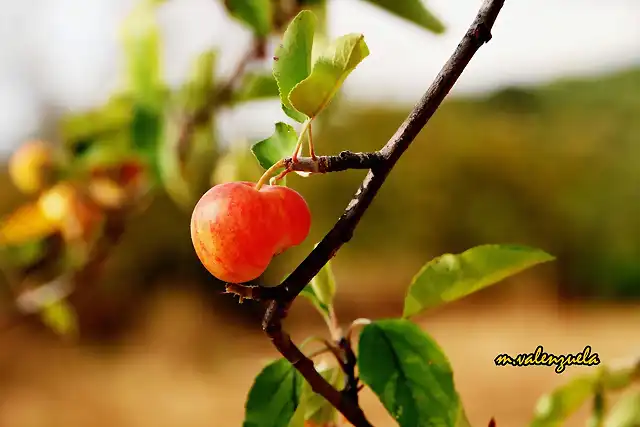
(236, 230)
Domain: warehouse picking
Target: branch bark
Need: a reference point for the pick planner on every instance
(380, 164)
(344, 161)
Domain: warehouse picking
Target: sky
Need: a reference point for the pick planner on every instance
(65, 53)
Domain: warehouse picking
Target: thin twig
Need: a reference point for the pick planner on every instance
(351, 381)
(217, 98)
(282, 341)
(283, 295)
(344, 161)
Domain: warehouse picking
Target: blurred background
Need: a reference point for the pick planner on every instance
(538, 144)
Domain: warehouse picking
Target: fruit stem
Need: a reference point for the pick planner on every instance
(312, 152)
(296, 151)
(278, 177)
(265, 177)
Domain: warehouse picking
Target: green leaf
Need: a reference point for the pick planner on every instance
(256, 86)
(409, 373)
(451, 277)
(331, 68)
(197, 90)
(112, 117)
(146, 128)
(278, 146)
(141, 39)
(324, 284)
(183, 183)
(311, 295)
(554, 408)
(292, 60)
(315, 407)
(22, 255)
(185, 170)
(103, 151)
(237, 163)
(598, 408)
(463, 420)
(274, 396)
(413, 11)
(60, 316)
(201, 156)
(626, 412)
(298, 417)
(620, 376)
(256, 14)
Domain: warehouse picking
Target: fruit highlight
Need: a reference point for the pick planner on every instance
(30, 167)
(236, 230)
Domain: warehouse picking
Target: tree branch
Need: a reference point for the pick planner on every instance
(216, 98)
(385, 159)
(342, 402)
(478, 34)
(344, 161)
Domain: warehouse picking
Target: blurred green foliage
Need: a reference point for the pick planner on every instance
(554, 167)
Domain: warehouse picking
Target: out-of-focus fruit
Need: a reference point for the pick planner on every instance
(31, 166)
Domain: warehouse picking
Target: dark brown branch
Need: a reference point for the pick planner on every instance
(478, 34)
(283, 295)
(344, 161)
(351, 381)
(282, 342)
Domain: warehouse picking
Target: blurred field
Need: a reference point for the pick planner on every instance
(183, 364)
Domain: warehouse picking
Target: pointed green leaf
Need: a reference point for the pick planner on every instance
(332, 67)
(451, 277)
(256, 14)
(141, 39)
(409, 373)
(298, 417)
(413, 11)
(292, 60)
(554, 408)
(626, 412)
(278, 146)
(463, 420)
(256, 86)
(324, 284)
(316, 408)
(274, 396)
(311, 295)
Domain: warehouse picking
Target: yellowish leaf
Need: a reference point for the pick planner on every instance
(26, 224)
